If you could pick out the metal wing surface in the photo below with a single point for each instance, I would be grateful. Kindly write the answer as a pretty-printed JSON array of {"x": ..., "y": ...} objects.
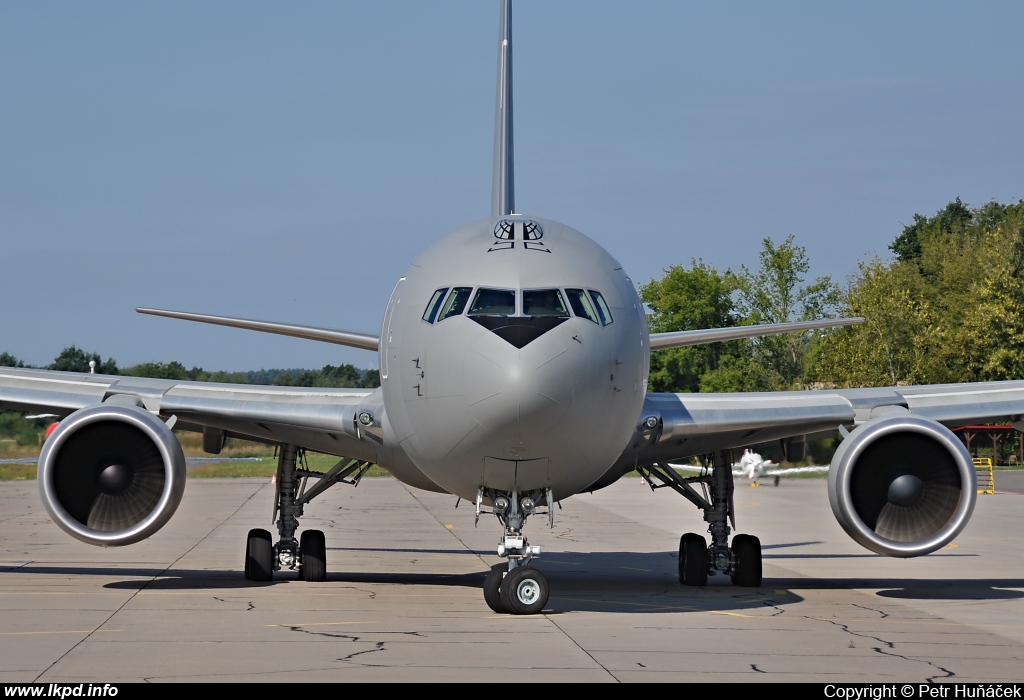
[
  {"x": 318, "y": 419},
  {"x": 693, "y": 424}
]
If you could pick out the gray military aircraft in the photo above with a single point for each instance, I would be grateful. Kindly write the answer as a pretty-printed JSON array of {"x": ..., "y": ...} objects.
[{"x": 514, "y": 359}]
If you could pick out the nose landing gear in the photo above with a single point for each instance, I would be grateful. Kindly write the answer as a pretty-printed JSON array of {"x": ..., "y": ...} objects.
[{"x": 515, "y": 587}]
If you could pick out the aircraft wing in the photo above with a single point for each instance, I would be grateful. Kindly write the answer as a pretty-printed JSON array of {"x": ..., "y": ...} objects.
[
  {"x": 319, "y": 419},
  {"x": 694, "y": 424},
  {"x": 683, "y": 339}
]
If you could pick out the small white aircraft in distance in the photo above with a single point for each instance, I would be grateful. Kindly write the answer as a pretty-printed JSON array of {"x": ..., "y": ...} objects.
[
  {"x": 753, "y": 466},
  {"x": 514, "y": 358}
]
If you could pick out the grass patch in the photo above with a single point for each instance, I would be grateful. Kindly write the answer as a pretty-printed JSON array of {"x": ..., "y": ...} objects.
[
  {"x": 225, "y": 470},
  {"x": 10, "y": 449},
  {"x": 267, "y": 467},
  {"x": 192, "y": 445},
  {"x": 17, "y": 472}
]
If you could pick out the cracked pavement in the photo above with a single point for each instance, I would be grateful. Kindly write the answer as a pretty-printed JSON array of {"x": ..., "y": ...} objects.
[{"x": 403, "y": 599}]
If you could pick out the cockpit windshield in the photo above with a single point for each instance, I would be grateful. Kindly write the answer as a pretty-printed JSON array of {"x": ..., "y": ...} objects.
[
  {"x": 544, "y": 302},
  {"x": 433, "y": 304},
  {"x": 602, "y": 307},
  {"x": 581, "y": 305},
  {"x": 493, "y": 302},
  {"x": 456, "y": 302},
  {"x": 550, "y": 303}
]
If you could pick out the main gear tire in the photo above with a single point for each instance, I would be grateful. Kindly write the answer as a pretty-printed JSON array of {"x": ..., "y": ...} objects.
[
  {"x": 313, "y": 553},
  {"x": 746, "y": 550},
  {"x": 693, "y": 560},
  {"x": 259, "y": 556}
]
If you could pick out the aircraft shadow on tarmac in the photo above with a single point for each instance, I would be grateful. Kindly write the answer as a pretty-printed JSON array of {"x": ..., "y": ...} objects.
[
  {"x": 609, "y": 582},
  {"x": 914, "y": 589}
]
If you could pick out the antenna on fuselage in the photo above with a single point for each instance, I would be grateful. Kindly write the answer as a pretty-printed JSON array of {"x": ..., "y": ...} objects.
[{"x": 503, "y": 200}]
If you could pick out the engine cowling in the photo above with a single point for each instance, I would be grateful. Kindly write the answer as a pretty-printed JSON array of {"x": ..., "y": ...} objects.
[
  {"x": 902, "y": 485},
  {"x": 111, "y": 474}
]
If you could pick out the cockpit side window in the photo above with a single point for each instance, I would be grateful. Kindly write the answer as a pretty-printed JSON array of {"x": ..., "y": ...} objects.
[
  {"x": 493, "y": 302},
  {"x": 602, "y": 308},
  {"x": 456, "y": 302},
  {"x": 581, "y": 305},
  {"x": 434, "y": 305},
  {"x": 544, "y": 302}
]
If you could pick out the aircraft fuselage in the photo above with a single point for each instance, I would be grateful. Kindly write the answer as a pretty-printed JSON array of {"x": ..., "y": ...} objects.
[{"x": 514, "y": 356}]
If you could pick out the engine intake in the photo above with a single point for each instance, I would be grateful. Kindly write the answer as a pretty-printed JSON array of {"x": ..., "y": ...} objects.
[
  {"x": 111, "y": 474},
  {"x": 902, "y": 485}
]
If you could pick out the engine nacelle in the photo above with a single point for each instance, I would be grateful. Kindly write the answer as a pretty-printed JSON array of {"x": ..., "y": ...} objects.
[
  {"x": 902, "y": 485},
  {"x": 111, "y": 474}
]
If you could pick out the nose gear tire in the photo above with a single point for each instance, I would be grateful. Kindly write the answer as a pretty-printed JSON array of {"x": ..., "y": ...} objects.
[
  {"x": 524, "y": 591},
  {"x": 492, "y": 589}
]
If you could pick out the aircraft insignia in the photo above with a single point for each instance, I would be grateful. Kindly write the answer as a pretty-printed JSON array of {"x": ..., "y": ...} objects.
[{"x": 508, "y": 231}]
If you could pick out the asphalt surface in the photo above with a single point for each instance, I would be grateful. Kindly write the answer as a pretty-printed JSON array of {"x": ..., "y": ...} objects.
[
  {"x": 1009, "y": 481},
  {"x": 403, "y": 598}
]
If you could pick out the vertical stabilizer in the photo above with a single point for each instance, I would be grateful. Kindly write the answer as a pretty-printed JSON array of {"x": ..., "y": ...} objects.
[{"x": 503, "y": 187}]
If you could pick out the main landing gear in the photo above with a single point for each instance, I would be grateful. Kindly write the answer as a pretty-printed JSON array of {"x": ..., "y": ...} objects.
[
  {"x": 741, "y": 561},
  {"x": 515, "y": 587},
  {"x": 308, "y": 555}
]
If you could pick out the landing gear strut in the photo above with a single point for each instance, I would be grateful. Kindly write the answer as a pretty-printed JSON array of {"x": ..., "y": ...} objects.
[
  {"x": 515, "y": 587},
  {"x": 742, "y": 561},
  {"x": 307, "y": 555}
]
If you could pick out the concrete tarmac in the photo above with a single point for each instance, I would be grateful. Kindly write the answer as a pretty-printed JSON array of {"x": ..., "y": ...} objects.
[{"x": 403, "y": 598}]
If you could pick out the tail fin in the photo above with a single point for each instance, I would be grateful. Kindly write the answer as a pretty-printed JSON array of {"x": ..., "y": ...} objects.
[{"x": 503, "y": 187}]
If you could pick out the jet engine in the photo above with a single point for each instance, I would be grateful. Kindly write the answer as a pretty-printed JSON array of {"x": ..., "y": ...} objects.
[
  {"x": 111, "y": 474},
  {"x": 902, "y": 485}
]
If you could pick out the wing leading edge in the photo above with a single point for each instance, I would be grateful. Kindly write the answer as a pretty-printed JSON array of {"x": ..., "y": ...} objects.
[
  {"x": 314, "y": 418},
  {"x": 682, "y": 339},
  {"x": 694, "y": 424},
  {"x": 352, "y": 339}
]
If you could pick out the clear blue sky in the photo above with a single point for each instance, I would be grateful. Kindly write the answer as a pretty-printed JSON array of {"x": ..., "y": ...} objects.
[{"x": 287, "y": 161}]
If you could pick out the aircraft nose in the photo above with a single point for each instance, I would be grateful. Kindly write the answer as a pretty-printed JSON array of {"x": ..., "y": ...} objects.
[{"x": 518, "y": 392}]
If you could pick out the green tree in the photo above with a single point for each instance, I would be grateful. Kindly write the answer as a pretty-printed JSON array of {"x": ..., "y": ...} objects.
[
  {"x": 9, "y": 360},
  {"x": 342, "y": 376},
  {"x": 74, "y": 359},
  {"x": 776, "y": 293},
  {"x": 949, "y": 308},
  {"x": 24, "y": 431},
  {"x": 702, "y": 297},
  {"x": 222, "y": 377},
  {"x": 952, "y": 220},
  {"x": 983, "y": 298},
  {"x": 371, "y": 379},
  {"x": 888, "y": 348},
  {"x": 158, "y": 370},
  {"x": 742, "y": 371},
  {"x": 691, "y": 298}
]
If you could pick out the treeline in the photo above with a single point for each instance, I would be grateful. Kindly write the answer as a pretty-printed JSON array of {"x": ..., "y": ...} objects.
[
  {"x": 947, "y": 307},
  {"x": 74, "y": 359}
]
